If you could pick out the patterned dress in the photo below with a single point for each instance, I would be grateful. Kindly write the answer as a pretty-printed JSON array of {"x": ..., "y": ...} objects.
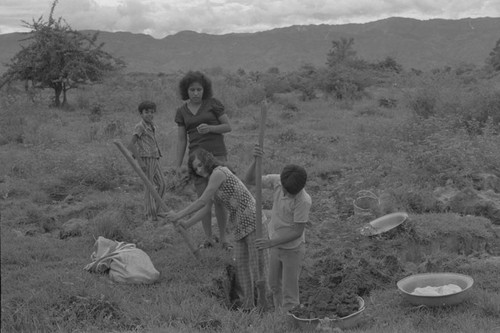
[{"x": 240, "y": 204}]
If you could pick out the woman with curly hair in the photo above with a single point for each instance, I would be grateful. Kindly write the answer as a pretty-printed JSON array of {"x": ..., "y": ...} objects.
[{"x": 202, "y": 123}]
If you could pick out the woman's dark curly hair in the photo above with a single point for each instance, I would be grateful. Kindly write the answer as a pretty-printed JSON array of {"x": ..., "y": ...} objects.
[
  {"x": 206, "y": 158},
  {"x": 192, "y": 77}
]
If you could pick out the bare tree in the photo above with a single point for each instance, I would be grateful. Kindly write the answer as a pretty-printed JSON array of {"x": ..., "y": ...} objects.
[{"x": 60, "y": 58}]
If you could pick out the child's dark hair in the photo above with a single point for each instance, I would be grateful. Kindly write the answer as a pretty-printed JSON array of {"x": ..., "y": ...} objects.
[
  {"x": 293, "y": 178},
  {"x": 190, "y": 78},
  {"x": 206, "y": 158},
  {"x": 146, "y": 105}
]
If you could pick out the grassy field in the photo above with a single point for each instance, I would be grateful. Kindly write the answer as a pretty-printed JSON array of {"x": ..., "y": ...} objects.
[{"x": 56, "y": 165}]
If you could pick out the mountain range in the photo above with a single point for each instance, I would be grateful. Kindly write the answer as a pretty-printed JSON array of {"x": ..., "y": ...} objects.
[{"x": 418, "y": 44}]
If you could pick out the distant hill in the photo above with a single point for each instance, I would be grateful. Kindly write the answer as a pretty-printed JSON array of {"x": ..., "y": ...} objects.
[{"x": 413, "y": 43}]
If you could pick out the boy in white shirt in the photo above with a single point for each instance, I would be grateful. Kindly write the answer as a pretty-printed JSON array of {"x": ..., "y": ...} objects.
[{"x": 286, "y": 243}]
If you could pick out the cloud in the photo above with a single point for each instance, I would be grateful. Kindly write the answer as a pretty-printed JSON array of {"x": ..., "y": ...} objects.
[{"x": 160, "y": 18}]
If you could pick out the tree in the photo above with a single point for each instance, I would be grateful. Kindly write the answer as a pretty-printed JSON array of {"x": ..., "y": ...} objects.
[
  {"x": 60, "y": 58},
  {"x": 494, "y": 58},
  {"x": 305, "y": 81},
  {"x": 341, "y": 51}
]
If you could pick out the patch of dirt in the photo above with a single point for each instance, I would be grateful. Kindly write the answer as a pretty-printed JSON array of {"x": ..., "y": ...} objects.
[
  {"x": 224, "y": 288},
  {"x": 323, "y": 302}
]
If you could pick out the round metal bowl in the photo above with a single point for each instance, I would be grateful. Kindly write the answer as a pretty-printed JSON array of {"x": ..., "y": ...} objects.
[
  {"x": 407, "y": 285},
  {"x": 383, "y": 224},
  {"x": 349, "y": 321}
]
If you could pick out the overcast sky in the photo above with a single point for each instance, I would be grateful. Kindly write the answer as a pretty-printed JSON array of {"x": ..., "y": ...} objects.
[{"x": 160, "y": 18}]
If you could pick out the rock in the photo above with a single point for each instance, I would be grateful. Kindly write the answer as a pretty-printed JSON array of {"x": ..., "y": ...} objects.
[{"x": 73, "y": 228}]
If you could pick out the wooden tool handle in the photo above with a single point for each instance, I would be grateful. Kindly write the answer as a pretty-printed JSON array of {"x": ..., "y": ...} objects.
[
  {"x": 261, "y": 284},
  {"x": 258, "y": 171},
  {"x": 159, "y": 200}
]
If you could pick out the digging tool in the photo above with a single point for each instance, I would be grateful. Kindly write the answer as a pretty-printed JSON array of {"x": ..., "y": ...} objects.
[
  {"x": 261, "y": 283},
  {"x": 185, "y": 235}
]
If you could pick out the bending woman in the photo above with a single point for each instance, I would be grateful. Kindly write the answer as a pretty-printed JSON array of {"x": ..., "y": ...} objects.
[{"x": 224, "y": 187}]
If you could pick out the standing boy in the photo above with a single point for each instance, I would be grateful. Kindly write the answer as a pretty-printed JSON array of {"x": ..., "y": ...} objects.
[
  {"x": 145, "y": 150},
  {"x": 290, "y": 213}
]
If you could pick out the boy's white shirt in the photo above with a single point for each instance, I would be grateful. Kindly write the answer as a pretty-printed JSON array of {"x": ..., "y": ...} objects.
[{"x": 286, "y": 211}]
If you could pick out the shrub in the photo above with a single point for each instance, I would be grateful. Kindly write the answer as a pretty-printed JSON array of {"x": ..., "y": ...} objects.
[
  {"x": 252, "y": 94},
  {"x": 423, "y": 102},
  {"x": 344, "y": 82},
  {"x": 481, "y": 108},
  {"x": 437, "y": 151}
]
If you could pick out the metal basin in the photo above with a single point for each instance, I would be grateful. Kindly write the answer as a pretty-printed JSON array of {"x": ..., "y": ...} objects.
[
  {"x": 407, "y": 286},
  {"x": 349, "y": 321},
  {"x": 384, "y": 223}
]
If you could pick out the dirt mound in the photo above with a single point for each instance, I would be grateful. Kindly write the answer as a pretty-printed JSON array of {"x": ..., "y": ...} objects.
[
  {"x": 325, "y": 302},
  {"x": 348, "y": 270},
  {"x": 330, "y": 286}
]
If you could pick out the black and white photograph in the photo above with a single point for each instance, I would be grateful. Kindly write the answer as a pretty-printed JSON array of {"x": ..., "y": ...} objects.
[{"x": 257, "y": 166}]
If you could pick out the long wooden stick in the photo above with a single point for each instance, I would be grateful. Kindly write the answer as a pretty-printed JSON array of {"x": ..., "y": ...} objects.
[
  {"x": 261, "y": 284},
  {"x": 185, "y": 235}
]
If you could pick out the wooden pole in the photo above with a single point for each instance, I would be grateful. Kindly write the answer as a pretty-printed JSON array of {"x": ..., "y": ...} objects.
[
  {"x": 185, "y": 235},
  {"x": 261, "y": 283}
]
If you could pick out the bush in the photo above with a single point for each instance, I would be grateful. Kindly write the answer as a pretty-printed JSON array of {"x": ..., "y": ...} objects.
[
  {"x": 437, "y": 151},
  {"x": 481, "y": 108},
  {"x": 423, "y": 102},
  {"x": 252, "y": 94},
  {"x": 344, "y": 82}
]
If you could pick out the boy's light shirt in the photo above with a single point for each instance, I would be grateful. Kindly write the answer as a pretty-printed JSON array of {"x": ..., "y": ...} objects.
[{"x": 286, "y": 211}]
